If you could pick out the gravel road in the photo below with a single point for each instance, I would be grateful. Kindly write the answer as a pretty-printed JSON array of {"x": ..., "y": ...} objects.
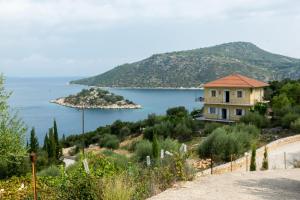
[{"x": 272, "y": 185}]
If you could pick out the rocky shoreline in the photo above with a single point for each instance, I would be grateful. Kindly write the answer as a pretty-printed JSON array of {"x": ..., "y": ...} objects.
[{"x": 61, "y": 101}]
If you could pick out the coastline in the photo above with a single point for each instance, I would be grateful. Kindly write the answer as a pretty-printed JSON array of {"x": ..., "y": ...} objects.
[
  {"x": 60, "y": 101},
  {"x": 141, "y": 88}
]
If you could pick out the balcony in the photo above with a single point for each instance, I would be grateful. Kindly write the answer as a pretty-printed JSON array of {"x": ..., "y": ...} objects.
[{"x": 199, "y": 99}]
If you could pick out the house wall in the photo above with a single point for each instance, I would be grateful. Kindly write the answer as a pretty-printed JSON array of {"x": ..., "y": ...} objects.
[
  {"x": 230, "y": 108},
  {"x": 256, "y": 95},
  {"x": 248, "y": 96}
]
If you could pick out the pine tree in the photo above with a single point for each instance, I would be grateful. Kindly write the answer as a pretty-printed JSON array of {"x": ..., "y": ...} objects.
[
  {"x": 34, "y": 144},
  {"x": 155, "y": 147},
  {"x": 253, "y": 160},
  {"x": 265, "y": 164}
]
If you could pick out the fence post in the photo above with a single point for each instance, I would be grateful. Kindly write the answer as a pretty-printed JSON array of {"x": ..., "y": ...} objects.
[
  {"x": 33, "y": 160},
  {"x": 246, "y": 155},
  {"x": 211, "y": 164},
  {"x": 284, "y": 156}
]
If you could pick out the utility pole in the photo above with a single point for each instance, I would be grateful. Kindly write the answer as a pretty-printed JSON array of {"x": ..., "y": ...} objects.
[
  {"x": 82, "y": 126},
  {"x": 33, "y": 160}
]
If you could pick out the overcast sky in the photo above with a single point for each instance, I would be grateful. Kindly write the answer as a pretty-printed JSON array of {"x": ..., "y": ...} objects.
[{"x": 88, "y": 37}]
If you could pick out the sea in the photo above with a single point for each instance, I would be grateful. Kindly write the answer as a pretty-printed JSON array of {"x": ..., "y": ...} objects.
[{"x": 31, "y": 100}]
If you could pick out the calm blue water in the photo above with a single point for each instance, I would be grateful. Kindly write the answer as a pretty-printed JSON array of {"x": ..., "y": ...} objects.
[{"x": 31, "y": 98}]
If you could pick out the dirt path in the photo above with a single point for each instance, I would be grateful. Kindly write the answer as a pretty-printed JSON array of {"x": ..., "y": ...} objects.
[{"x": 273, "y": 185}]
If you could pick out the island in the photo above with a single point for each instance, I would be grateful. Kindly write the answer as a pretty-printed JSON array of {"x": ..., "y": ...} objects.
[{"x": 94, "y": 98}]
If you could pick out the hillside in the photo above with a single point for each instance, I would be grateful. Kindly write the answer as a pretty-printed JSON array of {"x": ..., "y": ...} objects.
[{"x": 193, "y": 67}]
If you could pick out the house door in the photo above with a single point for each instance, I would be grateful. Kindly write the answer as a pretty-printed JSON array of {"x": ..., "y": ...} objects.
[
  {"x": 227, "y": 96},
  {"x": 224, "y": 113}
]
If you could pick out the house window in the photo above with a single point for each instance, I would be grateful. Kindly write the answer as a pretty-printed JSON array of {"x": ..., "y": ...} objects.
[
  {"x": 239, "y": 94},
  {"x": 239, "y": 112},
  {"x": 213, "y": 93},
  {"x": 212, "y": 110}
]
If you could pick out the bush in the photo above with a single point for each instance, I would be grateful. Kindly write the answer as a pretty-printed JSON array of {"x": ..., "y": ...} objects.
[
  {"x": 253, "y": 160},
  {"x": 50, "y": 171},
  {"x": 109, "y": 141},
  {"x": 256, "y": 119},
  {"x": 179, "y": 112},
  {"x": 210, "y": 127},
  {"x": 296, "y": 125},
  {"x": 119, "y": 187},
  {"x": 169, "y": 145},
  {"x": 265, "y": 163},
  {"x": 287, "y": 119},
  {"x": 261, "y": 108},
  {"x": 225, "y": 141},
  {"x": 143, "y": 149},
  {"x": 182, "y": 132}
]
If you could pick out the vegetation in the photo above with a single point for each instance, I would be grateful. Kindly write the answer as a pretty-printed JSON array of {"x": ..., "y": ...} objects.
[
  {"x": 253, "y": 159},
  {"x": 12, "y": 139},
  {"x": 34, "y": 143},
  {"x": 265, "y": 163},
  {"x": 228, "y": 140},
  {"x": 187, "y": 68},
  {"x": 256, "y": 119}
]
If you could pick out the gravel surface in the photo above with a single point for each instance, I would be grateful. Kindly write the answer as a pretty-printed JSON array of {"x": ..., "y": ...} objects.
[{"x": 272, "y": 184}]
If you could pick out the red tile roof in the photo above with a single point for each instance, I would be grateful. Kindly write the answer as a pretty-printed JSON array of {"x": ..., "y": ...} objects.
[{"x": 236, "y": 80}]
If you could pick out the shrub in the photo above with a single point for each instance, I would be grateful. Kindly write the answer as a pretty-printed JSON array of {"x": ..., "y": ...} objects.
[
  {"x": 228, "y": 140},
  {"x": 265, "y": 164},
  {"x": 179, "y": 111},
  {"x": 169, "y": 145},
  {"x": 109, "y": 141},
  {"x": 287, "y": 119},
  {"x": 261, "y": 108},
  {"x": 296, "y": 125},
  {"x": 210, "y": 127},
  {"x": 148, "y": 133},
  {"x": 119, "y": 187},
  {"x": 182, "y": 132},
  {"x": 256, "y": 119},
  {"x": 50, "y": 171},
  {"x": 253, "y": 160},
  {"x": 143, "y": 149},
  {"x": 124, "y": 132}
]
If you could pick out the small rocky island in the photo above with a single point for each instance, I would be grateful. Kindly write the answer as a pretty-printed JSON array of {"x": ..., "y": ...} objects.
[{"x": 93, "y": 98}]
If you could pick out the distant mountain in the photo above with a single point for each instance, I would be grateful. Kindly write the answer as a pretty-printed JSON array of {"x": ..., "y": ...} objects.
[{"x": 193, "y": 67}]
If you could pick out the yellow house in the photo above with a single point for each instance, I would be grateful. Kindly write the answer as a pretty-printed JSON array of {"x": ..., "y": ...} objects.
[{"x": 228, "y": 98}]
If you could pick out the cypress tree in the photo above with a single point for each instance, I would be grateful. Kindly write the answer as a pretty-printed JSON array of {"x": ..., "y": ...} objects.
[
  {"x": 34, "y": 144},
  {"x": 253, "y": 160},
  {"x": 56, "y": 140},
  {"x": 265, "y": 164},
  {"x": 51, "y": 145},
  {"x": 155, "y": 147},
  {"x": 46, "y": 141}
]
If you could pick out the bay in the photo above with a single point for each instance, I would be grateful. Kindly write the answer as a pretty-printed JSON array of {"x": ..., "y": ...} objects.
[{"x": 31, "y": 96}]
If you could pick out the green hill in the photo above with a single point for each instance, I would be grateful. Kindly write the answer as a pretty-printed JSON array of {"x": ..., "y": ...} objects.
[{"x": 193, "y": 67}]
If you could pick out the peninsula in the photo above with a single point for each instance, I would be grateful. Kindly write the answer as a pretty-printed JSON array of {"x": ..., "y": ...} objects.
[{"x": 96, "y": 98}]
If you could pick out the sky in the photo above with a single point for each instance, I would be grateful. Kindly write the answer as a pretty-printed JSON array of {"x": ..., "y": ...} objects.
[{"x": 43, "y": 38}]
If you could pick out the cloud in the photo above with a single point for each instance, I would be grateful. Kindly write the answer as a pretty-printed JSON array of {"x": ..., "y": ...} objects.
[
  {"x": 91, "y": 36},
  {"x": 106, "y": 12}
]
